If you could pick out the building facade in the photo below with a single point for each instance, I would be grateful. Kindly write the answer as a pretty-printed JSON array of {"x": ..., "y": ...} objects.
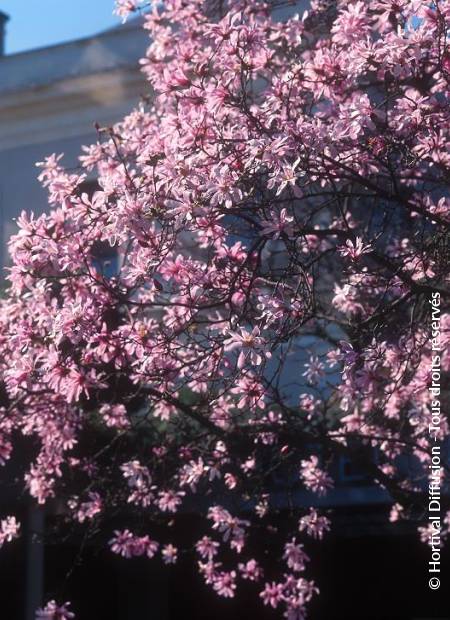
[{"x": 50, "y": 100}]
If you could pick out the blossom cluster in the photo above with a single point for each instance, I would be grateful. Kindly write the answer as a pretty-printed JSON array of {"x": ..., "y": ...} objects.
[{"x": 278, "y": 208}]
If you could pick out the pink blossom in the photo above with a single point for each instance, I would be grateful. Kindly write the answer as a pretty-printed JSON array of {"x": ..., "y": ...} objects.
[
  {"x": 351, "y": 24},
  {"x": 169, "y": 554},
  {"x": 169, "y": 501},
  {"x": 207, "y": 548},
  {"x": 115, "y": 416},
  {"x": 278, "y": 225},
  {"x": 250, "y": 344},
  {"x": 272, "y": 594},
  {"x": 250, "y": 570},
  {"x": 395, "y": 513},
  {"x": 250, "y": 393},
  {"x": 314, "y": 369},
  {"x": 128, "y": 545},
  {"x": 354, "y": 250},
  {"x": 123, "y": 8},
  {"x": 222, "y": 189},
  {"x": 295, "y": 556},
  {"x": 88, "y": 509},
  {"x": 52, "y": 611},
  {"x": 315, "y": 478},
  {"x": 231, "y": 528},
  {"x": 314, "y": 524},
  {"x": 224, "y": 584},
  {"x": 9, "y": 529}
]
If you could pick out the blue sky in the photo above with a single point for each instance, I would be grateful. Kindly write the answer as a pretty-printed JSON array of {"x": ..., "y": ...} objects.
[{"x": 37, "y": 23}]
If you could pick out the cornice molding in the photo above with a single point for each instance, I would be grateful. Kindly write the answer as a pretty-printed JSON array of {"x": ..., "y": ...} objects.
[{"x": 69, "y": 107}]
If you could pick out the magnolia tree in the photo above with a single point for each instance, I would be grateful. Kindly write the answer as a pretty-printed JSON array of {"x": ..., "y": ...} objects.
[{"x": 278, "y": 208}]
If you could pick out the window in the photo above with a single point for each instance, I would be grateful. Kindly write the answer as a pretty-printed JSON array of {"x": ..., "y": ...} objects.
[{"x": 105, "y": 259}]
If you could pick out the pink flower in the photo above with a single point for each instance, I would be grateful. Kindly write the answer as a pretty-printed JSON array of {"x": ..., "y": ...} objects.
[
  {"x": 314, "y": 369},
  {"x": 295, "y": 556},
  {"x": 395, "y": 513},
  {"x": 250, "y": 392},
  {"x": 354, "y": 250},
  {"x": 123, "y": 8},
  {"x": 224, "y": 584},
  {"x": 88, "y": 509},
  {"x": 351, "y": 25},
  {"x": 123, "y": 544},
  {"x": 346, "y": 299},
  {"x": 286, "y": 177},
  {"x": 9, "y": 530},
  {"x": 314, "y": 524},
  {"x": 115, "y": 416},
  {"x": 278, "y": 225},
  {"x": 128, "y": 545},
  {"x": 140, "y": 482},
  {"x": 315, "y": 478},
  {"x": 192, "y": 473},
  {"x": 207, "y": 548},
  {"x": 232, "y": 528},
  {"x": 169, "y": 554},
  {"x": 169, "y": 501},
  {"x": 250, "y": 570},
  {"x": 272, "y": 594},
  {"x": 136, "y": 474},
  {"x": 222, "y": 188},
  {"x": 309, "y": 404},
  {"x": 250, "y": 344},
  {"x": 52, "y": 611},
  {"x": 78, "y": 382}
]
